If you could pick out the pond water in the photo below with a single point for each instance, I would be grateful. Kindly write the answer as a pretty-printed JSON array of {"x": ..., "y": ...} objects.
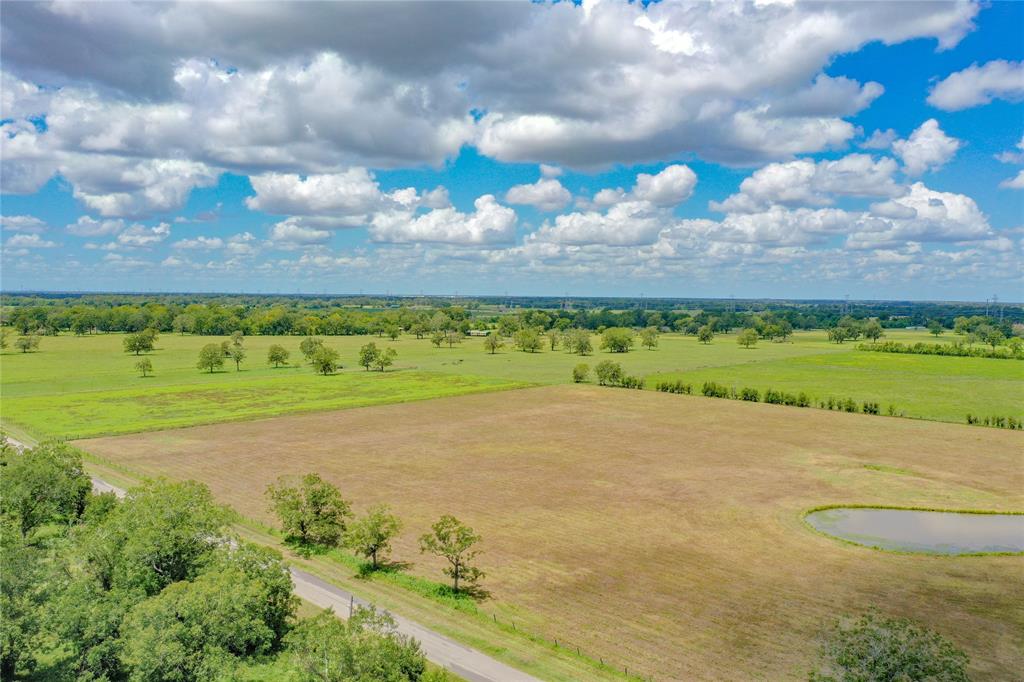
[{"x": 923, "y": 531}]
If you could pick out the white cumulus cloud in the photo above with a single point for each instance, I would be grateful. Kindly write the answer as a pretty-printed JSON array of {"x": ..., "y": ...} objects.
[
  {"x": 976, "y": 85},
  {"x": 927, "y": 148}
]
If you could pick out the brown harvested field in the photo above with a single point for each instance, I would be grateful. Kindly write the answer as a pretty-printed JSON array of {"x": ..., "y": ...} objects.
[{"x": 663, "y": 532}]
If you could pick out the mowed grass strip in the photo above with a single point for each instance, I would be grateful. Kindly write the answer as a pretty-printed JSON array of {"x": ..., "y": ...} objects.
[
  {"x": 924, "y": 386},
  {"x": 658, "y": 531},
  {"x": 92, "y": 413}
]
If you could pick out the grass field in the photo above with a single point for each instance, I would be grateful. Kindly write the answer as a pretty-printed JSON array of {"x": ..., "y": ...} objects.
[
  {"x": 662, "y": 532},
  {"x": 87, "y": 386},
  {"x": 929, "y": 386}
]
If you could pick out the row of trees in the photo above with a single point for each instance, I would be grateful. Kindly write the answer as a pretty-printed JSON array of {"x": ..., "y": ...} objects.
[
  {"x": 313, "y": 513},
  {"x": 274, "y": 315},
  {"x": 151, "y": 588}
]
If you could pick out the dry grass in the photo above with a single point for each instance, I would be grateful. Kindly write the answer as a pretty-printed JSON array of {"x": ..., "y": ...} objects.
[{"x": 659, "y": 531}]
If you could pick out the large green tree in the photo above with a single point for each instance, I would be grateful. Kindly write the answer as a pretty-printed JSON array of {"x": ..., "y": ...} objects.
[
  {"x": 211, "y": 357},
  {"x": 312, "y": 511},
  {"x": 365, "y": 648},
  {"x": 617, "y": 339},
  {"x": 46, "y": 484},
  {"x": 161, "y": 533},
  {"x": 194, "y": 630}
]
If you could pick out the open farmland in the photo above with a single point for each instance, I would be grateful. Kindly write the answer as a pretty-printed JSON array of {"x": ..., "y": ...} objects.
[
  {"x": 660, "y": 531},
  {"x": 81, "y": 386}
]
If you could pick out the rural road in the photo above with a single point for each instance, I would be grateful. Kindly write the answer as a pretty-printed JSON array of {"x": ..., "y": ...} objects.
[{"x": 462, "y": 660}]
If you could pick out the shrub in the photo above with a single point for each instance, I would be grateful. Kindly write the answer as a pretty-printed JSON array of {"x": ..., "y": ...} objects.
[
  {"x": 869, "y": 407},
  {"x": 849, "y": 405},
  {"x": 772, "y": 396},
  {"x": 713, "y": 390},
  {"x": 674, "y": 387},
  {"x": 580, "y": 373},
  {"x": 631, "y": 382},
  {"x": 608, "y": 373},
  {"x": 750, "y": 394}
]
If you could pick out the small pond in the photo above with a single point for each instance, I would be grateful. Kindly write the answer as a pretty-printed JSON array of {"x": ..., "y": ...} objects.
[{"x": 923, "y": 531}]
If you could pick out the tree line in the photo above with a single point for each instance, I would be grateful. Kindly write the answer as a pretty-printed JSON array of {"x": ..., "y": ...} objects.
[{"x": 305, "y": 316}]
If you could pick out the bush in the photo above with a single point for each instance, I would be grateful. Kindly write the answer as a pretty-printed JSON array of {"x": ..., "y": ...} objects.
[
  {"x": 608, "y": 373},
  {"x": 713, "y": 390},
  {"x": 580, "y": 373},
  {"x": 674, "y": 387},
  {"x": 1008, "y": 352},
  {"x": 996, "y": 422},
  {"x": 869, "y": 408},
  {"x": 750, "y": 394},
  {"x": 631, "y": 382}
]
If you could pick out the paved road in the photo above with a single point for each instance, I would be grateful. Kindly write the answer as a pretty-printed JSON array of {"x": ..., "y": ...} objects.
[{"x": 462, "y": 660}]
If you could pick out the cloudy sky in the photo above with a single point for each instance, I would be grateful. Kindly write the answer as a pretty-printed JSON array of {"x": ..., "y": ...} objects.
[{"x": 703, "y": 149}]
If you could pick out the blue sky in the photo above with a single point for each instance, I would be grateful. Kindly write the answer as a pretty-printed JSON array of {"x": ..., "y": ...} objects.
[{"x": 756, "y": 149}]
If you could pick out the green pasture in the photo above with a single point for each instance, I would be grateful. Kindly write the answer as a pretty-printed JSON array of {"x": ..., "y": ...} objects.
[
  {"x": 87, "y": 386},
  {"x": 925, "y": 386}
]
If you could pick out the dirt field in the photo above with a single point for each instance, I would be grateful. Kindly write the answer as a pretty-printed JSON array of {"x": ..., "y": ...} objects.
[{"x": 657, "y": 530}]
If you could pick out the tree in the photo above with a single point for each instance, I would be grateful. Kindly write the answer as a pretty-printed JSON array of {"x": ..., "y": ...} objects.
[
  {"x": 138, "y": 343},
  {"x": 440, "y": 322},
  {"x": 385, "y": 358},
  {"x": 437, "y": 338},
  {"x": 46, "y": 484},
  {"x": 193, "y": 629},
  {"x": 492, "y": 342},
  {"x": 3, "y": 339},
  {"x": 873, "y": 330},
  {"x": 393, "y": 331},
  {"x": 580, "y": 373},
  {"x": 877, "y": 648},
  {"x": 371, "y": 535},
  {"x": 211, "y": 357},
  {"x": 183, "y": 323},
  {"x": 747, "y": 338},
  {"x": 452, "y": 337},
  {"x": 27, "y": 343},
  {"x": 309, "y": 346},
  {"x": 365, "y": 647},
  {"x": 617, "y": 339},
  {"x": 277, "y": 355},
  {"x": 325, "y": 361},
  {"x": 453, "y": 541},
  {"x": 837, "y": 334},
  {"x": 161, "y": 533},
  {"x": 554, "y": 337},
  {"x": 994, "y": 337},
  {"x": 312, "y": 512},
  {"x": 527, "y": 340},
  {"x": 578, "y": 341},
  {"x": 935, "y": 328},
  {"x": 24, "y": 589},
  {"x": 368, "y": 355},
  {"x": 418, "y": 329},
  {"x": 144, "y": 367},
  {"x": 705, "y": 334},
  {"x": 608, "y": 373},
  {"x": 649, "y": 338},
  {"x": 237, "y": 338},
  {"x": 961, "y": 325},
  {"x": 237, "y": 354}
]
